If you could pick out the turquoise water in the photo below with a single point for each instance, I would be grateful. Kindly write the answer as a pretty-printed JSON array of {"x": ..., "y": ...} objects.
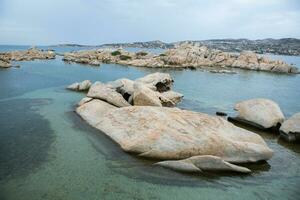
[{"x": 48, "y": 152}]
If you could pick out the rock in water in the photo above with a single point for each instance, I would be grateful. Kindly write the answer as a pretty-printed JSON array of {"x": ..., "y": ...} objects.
[
  {"x": 160, "y": 82},
  {"x": 144, "y": 96},
  {"x": 5, "y": 64},
  {"x": 199, "y": 163},
  {"x": 104, "y": 92},
  {"x": 175, "y": 97},
  {"x": 290, "y": 129},
  {"x": 172, "y": 133},
  {"x": 73, "y": 86},
  {"x": 82, "y": 86},
  {"x": 262, "y": 113},
  {"x": 84, "y": 100}
]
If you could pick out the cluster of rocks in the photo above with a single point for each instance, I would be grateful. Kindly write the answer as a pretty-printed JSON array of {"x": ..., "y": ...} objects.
[
  {"x": 266, "y": 114},
  {"x": 27, "y": 55},
  {"x": 140, "y": 116},
  {"x": 183, "y": 56},
  {"x": 151, "y": 90}
]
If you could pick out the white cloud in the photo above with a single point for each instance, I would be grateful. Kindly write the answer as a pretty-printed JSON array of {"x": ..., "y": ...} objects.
[{"x": 94, "y": 22}]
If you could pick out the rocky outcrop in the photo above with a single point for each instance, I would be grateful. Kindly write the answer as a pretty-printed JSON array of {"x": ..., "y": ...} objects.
[
  {"x": 84, "y": 100},
  {"x": 184, "y": 55},
  {"x": 5, "y": 64},
  {"x": 290, "y": 129},
  {"x": 27, "y": 55},
  {"x": 151, "y": 90},
  {"x": 202, "y": 163},
  {"x": 262, "y": 113},
  {"x": 82, "y": 86},
  {"x": 151, "y": 130},
  {"x": 104, "y": 92},
  {"x": 172, "y": 133}
]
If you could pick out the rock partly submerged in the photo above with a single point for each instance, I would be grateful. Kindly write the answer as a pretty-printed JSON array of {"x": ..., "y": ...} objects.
[
  {"x": 149, "y": 129},
  {"x": 202, "y": 163},
  {"x": 261, "y": 113},
  {"x": 26, "y": 55},
  {"x": 81, "y": 86},
  {"x": 172, "y": 133},
  {"x": 152, "y": 90},
  {"x": 290, "y": 129},
  {"x": 184, "y": 56}
]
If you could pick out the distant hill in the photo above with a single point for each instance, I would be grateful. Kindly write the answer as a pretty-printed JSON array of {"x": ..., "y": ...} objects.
[
  {"x": 284, "y": 46},
  {"x": 149, "y": 44}
]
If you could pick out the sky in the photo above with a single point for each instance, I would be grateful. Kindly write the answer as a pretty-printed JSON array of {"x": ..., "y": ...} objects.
[{"x": 44, "y": 22}]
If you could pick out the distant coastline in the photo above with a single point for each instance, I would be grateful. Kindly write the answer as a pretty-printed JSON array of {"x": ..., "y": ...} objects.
[{"x": 283, "y": 46}]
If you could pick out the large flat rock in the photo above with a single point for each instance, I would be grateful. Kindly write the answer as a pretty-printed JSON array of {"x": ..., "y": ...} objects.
[{"x": 172, "y": 133}]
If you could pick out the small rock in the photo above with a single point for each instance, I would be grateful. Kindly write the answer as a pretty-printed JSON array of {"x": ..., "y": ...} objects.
[
  {"x": 262, "y": 113},
  {"x": 290, "y": 129},
  {"x": 205, "y": 163}
]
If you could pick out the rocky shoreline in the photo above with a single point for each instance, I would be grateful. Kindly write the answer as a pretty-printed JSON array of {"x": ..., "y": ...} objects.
[
  {"x": 26, "y": 55},
  {"x": 183, "y": 56}
]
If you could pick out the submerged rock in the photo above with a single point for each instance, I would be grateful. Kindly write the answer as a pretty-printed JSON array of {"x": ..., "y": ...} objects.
[
  {"x": 82, "y": 86},
  {"x": 199, "y": 163},
  {"x": 262, "y": 113},
  {"x": 153, "y": 131},
  {"x": 5, "y": 64},
  {"x": 290, "y": 129},
  {"x": 171, "y": 133}
]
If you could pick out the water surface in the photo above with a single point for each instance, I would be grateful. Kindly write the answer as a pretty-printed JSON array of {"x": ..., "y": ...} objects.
[{"x": 48, "y": 152}]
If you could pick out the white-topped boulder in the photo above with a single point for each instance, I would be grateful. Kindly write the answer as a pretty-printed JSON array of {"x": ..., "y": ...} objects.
[
  {"x": 263, "y": 113},
  {"x": 290, "y": 129}
]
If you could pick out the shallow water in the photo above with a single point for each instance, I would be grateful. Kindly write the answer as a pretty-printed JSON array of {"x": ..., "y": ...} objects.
[{"x": 48, "y": 152}]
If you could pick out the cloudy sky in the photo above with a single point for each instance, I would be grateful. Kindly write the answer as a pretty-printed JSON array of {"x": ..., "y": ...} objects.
[{"x": 107, "y": 21}]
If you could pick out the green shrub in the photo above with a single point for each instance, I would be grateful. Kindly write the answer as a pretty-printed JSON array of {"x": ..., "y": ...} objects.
[
  {"x": 124, "y": 57},
  {"x": 141, "y": 53},
  {"x": 162, "y": 54},
  {"x": 115, "y": 53}
]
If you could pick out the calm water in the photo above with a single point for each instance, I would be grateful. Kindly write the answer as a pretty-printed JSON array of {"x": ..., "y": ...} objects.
[{"x": 48, "y": 152}]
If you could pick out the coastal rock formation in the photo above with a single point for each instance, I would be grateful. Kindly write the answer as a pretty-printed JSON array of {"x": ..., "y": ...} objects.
[
  {"x": 172, "y": 133},
  {"x": 144, "y": 96},
  {"x": 151, "y": 90},
  {"x": 82, "y": 86},
  {"x": 27, "y": 55},
  {"x": 84, "y": 100},
  {"x": 199, "y": 163},
  {"x": 184, "y": 55},
  {"x": 104, "y": 92},
  {"x": 160, "y": 82},
  {"x": 5, "y": 64},
  {"x": 154, "y": 131},
  {"x": 290, "y": 129},
  {"x": 262, "y": 113}
]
